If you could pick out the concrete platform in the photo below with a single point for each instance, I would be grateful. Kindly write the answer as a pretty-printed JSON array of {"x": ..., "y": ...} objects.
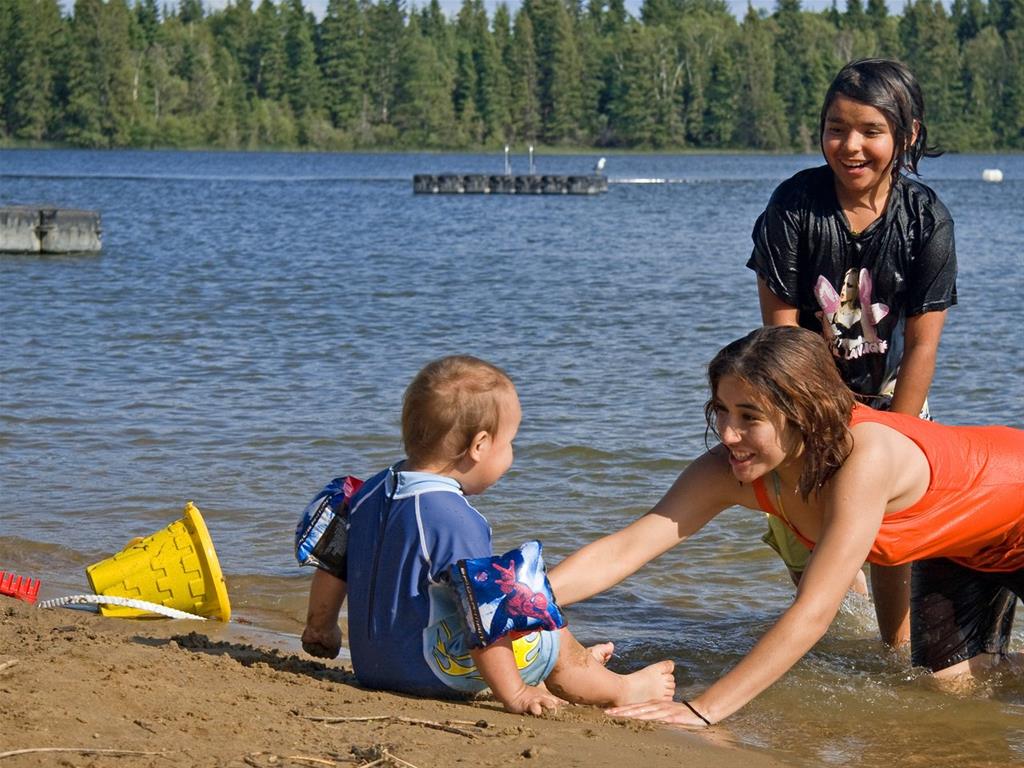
[
  {"x": 45, "y": 229},
  {"x": 508, "y": 184}
]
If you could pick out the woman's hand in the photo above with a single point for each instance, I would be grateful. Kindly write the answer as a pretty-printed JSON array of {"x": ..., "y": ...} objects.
[{"x": 662, "y": 711}]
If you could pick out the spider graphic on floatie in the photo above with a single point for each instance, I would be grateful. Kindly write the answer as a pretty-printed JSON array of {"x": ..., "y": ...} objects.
[{"x": 519, "y": 600}]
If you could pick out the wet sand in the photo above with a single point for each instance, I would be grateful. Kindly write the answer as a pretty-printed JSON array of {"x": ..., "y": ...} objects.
[{"x": 176, "y": 693}]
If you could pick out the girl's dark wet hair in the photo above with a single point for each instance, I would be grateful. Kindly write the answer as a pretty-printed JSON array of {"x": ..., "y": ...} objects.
[
  {"x": 792, "y": 373},
  {"x": 892, "y": 89}
]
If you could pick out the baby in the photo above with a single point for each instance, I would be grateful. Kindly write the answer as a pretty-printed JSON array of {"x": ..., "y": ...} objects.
[{"x": 409, "y": 524}]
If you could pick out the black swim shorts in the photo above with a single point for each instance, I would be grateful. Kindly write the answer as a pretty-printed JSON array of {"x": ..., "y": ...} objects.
[{"x": 957, "y": 613}]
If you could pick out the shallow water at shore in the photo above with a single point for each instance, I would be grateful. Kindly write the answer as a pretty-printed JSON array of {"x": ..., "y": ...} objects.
[{"x": 248, "y": 330}]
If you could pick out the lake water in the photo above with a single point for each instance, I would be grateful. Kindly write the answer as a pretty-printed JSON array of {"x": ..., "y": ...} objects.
[{"x": 248, "y": 330}]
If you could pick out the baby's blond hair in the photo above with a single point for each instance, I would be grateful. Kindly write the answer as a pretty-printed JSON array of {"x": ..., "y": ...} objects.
[{"x": 448, "y": 402}]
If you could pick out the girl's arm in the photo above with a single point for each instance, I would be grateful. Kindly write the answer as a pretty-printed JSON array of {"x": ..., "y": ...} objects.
[
  {"x": 930, "y": 290},
  {"x": 775, "y": 311},
  {"x": 920, "y": 348},
  {"x": 854, "y": 503},
  {"x": 890, "y": 585},
  {"x": 704, "y": 489}
]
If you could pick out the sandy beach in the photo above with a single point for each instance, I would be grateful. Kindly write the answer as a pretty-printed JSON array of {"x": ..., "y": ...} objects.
[{"x": 79, "y": 689}]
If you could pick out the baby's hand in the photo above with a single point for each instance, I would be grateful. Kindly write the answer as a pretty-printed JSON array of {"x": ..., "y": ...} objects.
[
  {"x": 322, "y": 642},
  {"x": 532, "y": 701}
]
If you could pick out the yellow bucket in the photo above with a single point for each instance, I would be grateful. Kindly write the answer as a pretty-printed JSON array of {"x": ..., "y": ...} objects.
[{"x": 176, "y": 567}]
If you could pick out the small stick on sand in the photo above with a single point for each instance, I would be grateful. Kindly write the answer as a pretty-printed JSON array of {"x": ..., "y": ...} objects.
[
  {"x": 396, "y": 760},
  {"x": 79, "y": 750},
  {"x": 396, "y": 719},
  {"x": 314, "y": 760},
  {"x": 8, "y": 664}
]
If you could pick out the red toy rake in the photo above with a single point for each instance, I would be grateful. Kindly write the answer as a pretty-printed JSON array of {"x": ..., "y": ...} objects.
[{"x": 19, "y": 587}]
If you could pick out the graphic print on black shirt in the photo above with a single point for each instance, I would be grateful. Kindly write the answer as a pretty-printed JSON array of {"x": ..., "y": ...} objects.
[{"x": 848, "y": 318}]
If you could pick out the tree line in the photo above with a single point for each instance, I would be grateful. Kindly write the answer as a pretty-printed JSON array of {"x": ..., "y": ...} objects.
[{"x": 378, "y": 74}]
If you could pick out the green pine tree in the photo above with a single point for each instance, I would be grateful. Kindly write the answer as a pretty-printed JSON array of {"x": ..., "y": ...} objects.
[
  {"x": 795, "y": 80},
  {"x": 481, "y": 73},
  {"x": 464, "y": 89},
  {"x": 233, "y": 29},
  {"x": 385, "y": 31},
  {"x": 147, "y": 16},
  {"x": 99, "y": 112},
  {"x": 594, "y": 46},
  {"x": 930, "y": 49},
  {"x": 701, "y": 38},
  {"x": 503, "y": 43},
  {"x": 983, "y": 57},
  {"x": 761, "y": 121},
  {"x": 855, "y": 17},
  {"x": 423, "y": 111},
  {"x": 1009, "y": 114},
  {"x": 190, "y": 11},
  {"x": 266, "y": 54},
  {"x": 302, "y": 81},
  {"x": 36, "y": 33},
  {"x": 6, "y": 62},
  {"x": 343, "y": 63},
  {"x": 559, "y": 71},
  {"x": 719, "y": 124},
  {"x": 648, "y": 112},
  {"x": 524, "y": 74}
]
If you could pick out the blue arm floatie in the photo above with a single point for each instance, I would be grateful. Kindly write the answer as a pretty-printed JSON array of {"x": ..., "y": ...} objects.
[
  {"x": 321, "y": 537},
  {"x": 506, "y": 593}
]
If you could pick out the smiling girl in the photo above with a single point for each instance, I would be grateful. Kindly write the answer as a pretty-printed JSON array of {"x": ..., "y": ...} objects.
[
  {"x": 857, "y": 251},
  {"x": 859, "y": 484}
]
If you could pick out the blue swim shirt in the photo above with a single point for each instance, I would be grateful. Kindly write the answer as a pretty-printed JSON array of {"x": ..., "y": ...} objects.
[{"x": 406, "y": 529}]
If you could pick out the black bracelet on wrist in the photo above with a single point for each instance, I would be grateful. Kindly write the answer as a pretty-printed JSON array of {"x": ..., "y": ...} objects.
[{"x": 690, "y": 707}]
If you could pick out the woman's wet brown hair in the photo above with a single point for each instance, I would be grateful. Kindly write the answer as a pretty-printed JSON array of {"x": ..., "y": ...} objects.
[{"x": 792, "y": 373}]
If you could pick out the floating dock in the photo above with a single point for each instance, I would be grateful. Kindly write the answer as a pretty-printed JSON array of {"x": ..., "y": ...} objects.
[
  {"x": 508, "y": 184},
  {"x": 45, "y": 229}
]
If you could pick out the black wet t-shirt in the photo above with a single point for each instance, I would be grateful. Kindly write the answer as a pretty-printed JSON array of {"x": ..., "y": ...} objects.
[{"x": 857, "y": 290}]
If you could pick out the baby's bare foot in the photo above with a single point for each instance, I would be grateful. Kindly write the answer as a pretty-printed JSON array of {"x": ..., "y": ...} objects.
[
  {"x": 653, "y": 682},
  {"x": 602, "y": 652}
]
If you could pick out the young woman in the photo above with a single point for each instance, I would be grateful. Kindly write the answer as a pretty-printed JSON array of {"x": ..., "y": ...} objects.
[
  {"x": 854, "y": 483},
  {"x": 858, "y": 251}
]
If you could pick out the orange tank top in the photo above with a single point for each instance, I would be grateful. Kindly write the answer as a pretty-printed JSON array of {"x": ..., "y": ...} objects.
[{"x": 973, "y": 509}]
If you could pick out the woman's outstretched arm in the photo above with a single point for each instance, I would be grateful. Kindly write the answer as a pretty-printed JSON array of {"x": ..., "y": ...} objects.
[
  {"x": 853, "y": 505},
  {"x": 704, "y": 489}
]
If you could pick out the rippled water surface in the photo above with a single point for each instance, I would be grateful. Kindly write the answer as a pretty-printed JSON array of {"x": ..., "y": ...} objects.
[{"x": 250, "y": 325}]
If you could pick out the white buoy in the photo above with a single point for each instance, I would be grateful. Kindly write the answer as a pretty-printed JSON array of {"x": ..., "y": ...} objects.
[{"x": 992, "y": 174}]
